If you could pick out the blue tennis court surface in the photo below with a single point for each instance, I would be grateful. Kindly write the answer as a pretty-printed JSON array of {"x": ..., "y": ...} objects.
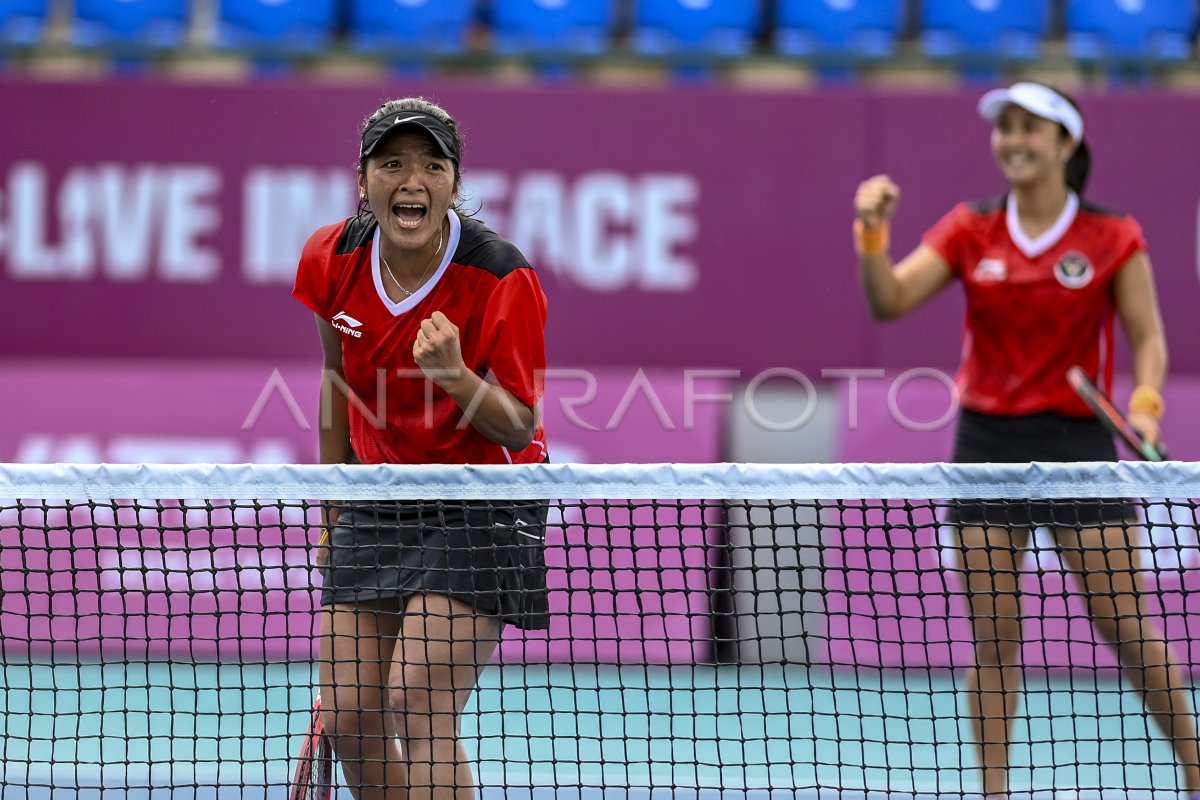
[{"x": 207, "y": 732}]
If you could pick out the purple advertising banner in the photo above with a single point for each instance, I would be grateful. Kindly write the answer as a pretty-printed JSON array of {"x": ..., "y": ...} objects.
[
  {"x": 165, "y": 581},
  {"x": 687, "y": 227}
]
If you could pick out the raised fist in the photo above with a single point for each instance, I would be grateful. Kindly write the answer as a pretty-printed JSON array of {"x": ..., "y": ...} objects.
[{"x": 876, "y": 200}]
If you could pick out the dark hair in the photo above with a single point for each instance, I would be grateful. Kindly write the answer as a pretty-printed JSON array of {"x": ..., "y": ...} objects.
[
  {"x": 425, "y": 107},
  {"x": 1080, "y": 163}
]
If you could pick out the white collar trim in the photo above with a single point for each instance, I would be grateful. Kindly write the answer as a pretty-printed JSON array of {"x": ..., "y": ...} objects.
[
  {"x": 1032, "y": 248},
  {"x": 408, "y": 303}
]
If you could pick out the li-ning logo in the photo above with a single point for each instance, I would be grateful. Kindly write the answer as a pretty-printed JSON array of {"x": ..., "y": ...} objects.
[{"x": 346, "y": 324}]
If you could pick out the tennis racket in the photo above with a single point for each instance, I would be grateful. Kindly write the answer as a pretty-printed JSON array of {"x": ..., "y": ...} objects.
[
  {"x": 1113, "y": 419},
  {"x": 314, "y": 768}
]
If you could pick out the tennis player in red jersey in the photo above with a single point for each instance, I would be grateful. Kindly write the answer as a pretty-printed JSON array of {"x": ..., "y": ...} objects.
[
  {"x": 1043, "y": 271},
  {"x": 432, "y": 331}
]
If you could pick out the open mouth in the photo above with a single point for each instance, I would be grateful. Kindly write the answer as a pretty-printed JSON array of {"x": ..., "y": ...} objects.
[{"x": 409, "y": 215}]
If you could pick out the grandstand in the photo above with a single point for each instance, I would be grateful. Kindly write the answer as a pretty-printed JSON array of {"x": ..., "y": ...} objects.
[{"x": 772, "y": 40}]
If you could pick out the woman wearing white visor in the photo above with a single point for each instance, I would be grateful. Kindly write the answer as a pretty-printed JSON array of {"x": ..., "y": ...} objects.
[{"x": 1045, "y": 273}]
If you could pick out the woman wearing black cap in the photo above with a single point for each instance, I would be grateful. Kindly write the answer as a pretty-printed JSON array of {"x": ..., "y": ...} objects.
[
  {"x": 432, "y": 332},
  {"x": 1044, "y": 273}
]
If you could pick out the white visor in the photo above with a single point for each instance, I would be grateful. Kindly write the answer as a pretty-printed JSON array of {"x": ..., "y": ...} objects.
[{"x": 1036, "y": 99}]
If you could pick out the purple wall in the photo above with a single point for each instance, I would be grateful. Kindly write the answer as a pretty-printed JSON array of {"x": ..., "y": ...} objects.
[
  {"x": 127, "y": 581},
  {"x": 691, "y": 227}
]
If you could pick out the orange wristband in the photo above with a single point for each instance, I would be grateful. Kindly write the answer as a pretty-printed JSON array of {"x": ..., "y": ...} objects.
[
  {"x": 1147, "y": 400},
  {"x": 871, "y": 241}
]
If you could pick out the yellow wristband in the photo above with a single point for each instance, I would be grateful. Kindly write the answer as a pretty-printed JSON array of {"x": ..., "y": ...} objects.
[
  {"x": 871, "y": 241},
  {"x": 1147, "y": 400},
  {"x": 324, "y": 540}
]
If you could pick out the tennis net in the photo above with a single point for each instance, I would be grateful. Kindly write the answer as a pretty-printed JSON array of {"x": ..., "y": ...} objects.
[{"x": 714, "y": 631}]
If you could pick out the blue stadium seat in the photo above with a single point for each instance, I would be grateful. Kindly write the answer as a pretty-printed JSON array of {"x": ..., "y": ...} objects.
[
  {"x": 151, "y": 24},
  {"x": 1130, "y": 30},
  {"x": 704, "y": 27},
  {"x": 553, "y": 26},
  {"x": 430, "y": 26},
  {"x": 22, "y": 22},
  {"x": 856, "y": 28},
  {"x": 303, "y": 26},
  {"x": 988, "y": 30}
]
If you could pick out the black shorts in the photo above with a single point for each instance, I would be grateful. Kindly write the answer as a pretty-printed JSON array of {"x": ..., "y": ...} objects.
[
  {"x": 490, "y": 554},
  {"x": 986, "y": 438}
]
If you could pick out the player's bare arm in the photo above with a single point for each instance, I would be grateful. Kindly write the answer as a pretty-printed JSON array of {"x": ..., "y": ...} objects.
[
  {"x": 1137, "y": 305},
  {"x": 333, "y": 437},
  {"x": 891, "y": 290}
]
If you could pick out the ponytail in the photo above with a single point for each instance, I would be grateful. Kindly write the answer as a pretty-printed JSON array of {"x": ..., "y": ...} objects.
[{"x": 1078, "y": 167}]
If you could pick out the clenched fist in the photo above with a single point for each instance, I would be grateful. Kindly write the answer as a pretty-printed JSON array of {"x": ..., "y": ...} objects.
[
  {"x": 876, "y": 200},
  {"x": 437, "y": 349}
]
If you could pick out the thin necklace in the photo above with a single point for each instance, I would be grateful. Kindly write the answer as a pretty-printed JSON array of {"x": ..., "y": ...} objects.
[{"x": 420, "y": 280}]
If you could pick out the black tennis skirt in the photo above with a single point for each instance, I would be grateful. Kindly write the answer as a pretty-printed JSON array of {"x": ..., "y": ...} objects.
[
  {"x": 987, "y": 438},
  {"x": 490, "y": 554}
]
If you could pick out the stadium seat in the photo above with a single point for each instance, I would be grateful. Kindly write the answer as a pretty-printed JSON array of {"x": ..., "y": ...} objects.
[
  {"x": 427, "y": 26},
  {"x": 697, "y": 27},
  {"x": 149, "y": 24},
  {"x": 859, "y": 29},
  {"x": 984, "y": 30},
  {"x": 302, "y": 26},
  {"x": 1130, "y": 30},
  {"x": 22, "y": 22},
  {"x": 552, "y": 26}
]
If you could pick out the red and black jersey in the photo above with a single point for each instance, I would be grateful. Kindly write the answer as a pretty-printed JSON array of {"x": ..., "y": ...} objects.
[
  {"x": 1034, "y": 307},
  {"x": 483, "y": 285}
]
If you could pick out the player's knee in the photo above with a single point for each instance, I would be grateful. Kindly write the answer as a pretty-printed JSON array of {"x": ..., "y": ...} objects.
[
  {"x": 349, "y": 726},
  {"x": 410, "y": 700}
]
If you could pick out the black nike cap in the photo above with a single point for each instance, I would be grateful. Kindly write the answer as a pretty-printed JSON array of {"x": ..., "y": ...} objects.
[{"x": 379, "y": 130}]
